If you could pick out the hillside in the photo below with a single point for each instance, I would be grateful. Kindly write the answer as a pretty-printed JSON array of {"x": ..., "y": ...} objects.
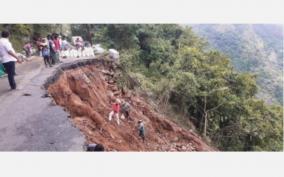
[
  {"x": 85, "y": 92},
  {"x": 199, "y": 87},
  {"x": 180, "y": 81},
  {"x": 252, "y": 48}
]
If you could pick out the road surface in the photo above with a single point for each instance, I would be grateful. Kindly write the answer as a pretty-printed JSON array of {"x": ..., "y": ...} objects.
[{"x": 29, "y": 122}]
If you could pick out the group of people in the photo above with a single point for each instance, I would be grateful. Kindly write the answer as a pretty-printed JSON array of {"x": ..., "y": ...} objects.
[
  {"x": 123, "y": 108},
  {"x": 49, "y": 48},
  {"x": 59, "y": 47}
]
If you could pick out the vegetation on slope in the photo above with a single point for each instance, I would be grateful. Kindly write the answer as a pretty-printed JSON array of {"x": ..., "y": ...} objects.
[
  {"x": 252, "y": 48},
  {"x": 176, "y": 66}
]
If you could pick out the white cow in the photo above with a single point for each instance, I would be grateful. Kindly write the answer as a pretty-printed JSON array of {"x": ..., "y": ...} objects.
[{"x": 114, "y": 54}]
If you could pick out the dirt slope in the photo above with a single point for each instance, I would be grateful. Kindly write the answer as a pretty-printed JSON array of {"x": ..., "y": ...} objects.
[{"x": 86, "y": 92}]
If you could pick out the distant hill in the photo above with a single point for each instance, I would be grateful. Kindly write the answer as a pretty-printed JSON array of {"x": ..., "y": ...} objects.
[{"x": 252, "y": 48}]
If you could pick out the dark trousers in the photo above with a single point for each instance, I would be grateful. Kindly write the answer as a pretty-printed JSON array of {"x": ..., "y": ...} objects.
[
  {"x": 47, "y": 60},
  {"x": 125, "y": 113},
  {"x": 142, "y": 134},
  {"x": 10, "y": 70},
  {"x": 53, "y": 57}
]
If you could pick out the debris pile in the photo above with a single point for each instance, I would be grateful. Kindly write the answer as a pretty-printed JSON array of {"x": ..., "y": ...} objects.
[{"x": 86, "y": 93}]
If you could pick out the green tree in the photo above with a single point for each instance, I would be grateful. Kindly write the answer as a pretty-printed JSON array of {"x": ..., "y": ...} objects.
[{"x": 198, "y": 82}]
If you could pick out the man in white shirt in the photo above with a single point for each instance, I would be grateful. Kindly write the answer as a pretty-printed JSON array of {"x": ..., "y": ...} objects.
[{"x": 8, "y": 58}]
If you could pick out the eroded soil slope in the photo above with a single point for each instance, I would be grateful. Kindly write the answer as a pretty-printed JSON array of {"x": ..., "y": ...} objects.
[{"x": 86, "y": 93}]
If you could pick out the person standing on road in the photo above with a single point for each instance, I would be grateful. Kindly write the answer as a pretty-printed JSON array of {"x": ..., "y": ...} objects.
[
  {"x": 46, "y": 53},
  {"x": 51, "y": 49},
  {"x": 65, "y": 48},
  {"x": 64, "y": 44},
  {"x": 78, "y": 44},
  {"x": 28, "y": 49},
  {"x": 57, "y": 46},
  {"x": 8, "y": 58}
]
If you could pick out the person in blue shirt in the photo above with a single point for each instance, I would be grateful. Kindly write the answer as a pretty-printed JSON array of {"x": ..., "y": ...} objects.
[
  {"x": 45, "y": 51},
  {"x": 141, "y": 130}
]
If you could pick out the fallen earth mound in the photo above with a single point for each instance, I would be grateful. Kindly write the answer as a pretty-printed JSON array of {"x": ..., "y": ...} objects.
[{"x": 86, "y": 89}]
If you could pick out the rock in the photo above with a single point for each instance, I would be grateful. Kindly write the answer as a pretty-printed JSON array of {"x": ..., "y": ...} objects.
[
  {"x": 86, "y": 79},
  {"x": 45, "y": 95},
  {"x": 176, "y": 139}
]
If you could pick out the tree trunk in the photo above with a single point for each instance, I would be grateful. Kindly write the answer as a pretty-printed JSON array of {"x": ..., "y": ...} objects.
[
  {"x": 89, "y": 36},
  {"x": 205, "y": 117},
  {"x": 204, "y": 132}
]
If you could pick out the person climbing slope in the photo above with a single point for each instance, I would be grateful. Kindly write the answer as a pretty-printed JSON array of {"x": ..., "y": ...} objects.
[
  {"x": 141, "y": 130},
  {"x": 115, "y": 111},
  {"x": 125, "y": 110}
]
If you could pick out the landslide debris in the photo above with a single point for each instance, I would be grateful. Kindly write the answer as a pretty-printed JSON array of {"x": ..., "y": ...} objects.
[{"x": 85, "y": 89}]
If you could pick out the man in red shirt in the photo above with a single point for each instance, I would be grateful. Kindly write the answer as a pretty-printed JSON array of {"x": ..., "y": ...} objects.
[
  {"x": 57, "y": 46},
  {"x": 115, "y": 111}
]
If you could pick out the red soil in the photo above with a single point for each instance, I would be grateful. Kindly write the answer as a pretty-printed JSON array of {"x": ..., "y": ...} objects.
[{"x": 86, "y": 93}]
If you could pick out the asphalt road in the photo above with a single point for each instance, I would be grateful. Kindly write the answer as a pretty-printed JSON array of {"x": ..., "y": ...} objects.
[
  {"x": 22, "y": 71},
  {"x": 29, "y": 122}
]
